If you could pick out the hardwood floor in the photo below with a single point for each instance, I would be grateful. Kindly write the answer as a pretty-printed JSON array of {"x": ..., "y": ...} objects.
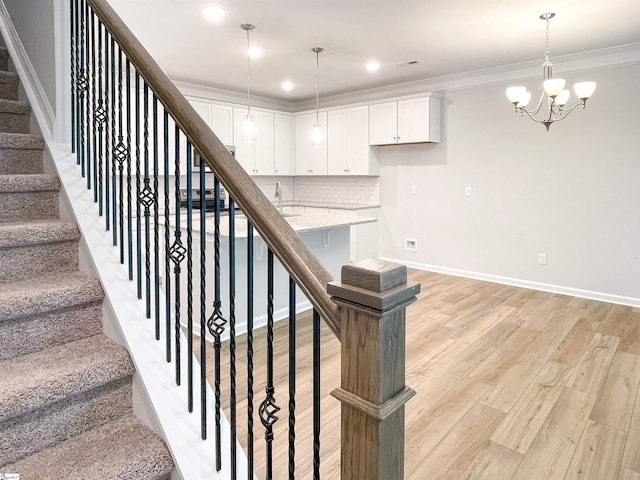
[{"x": 511, "y": 384}]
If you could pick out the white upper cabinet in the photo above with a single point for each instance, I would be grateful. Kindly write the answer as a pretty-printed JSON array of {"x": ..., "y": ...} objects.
[
  {"x": 257, "y": 158},
  {"x": 283, "y": 144},
  {"x": 222, "y": 123},
  {"x": 415, "y": 120},
  {"x": 349, "y": 152},
  {"x": 310, "y": 160}
]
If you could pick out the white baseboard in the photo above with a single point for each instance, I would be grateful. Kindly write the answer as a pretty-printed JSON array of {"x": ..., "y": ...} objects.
[
  {"x": 574, "y": 292},
  {"x": 29, "y": 80}
]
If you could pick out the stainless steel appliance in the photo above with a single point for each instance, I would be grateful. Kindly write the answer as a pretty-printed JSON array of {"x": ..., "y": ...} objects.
[{"x": 208, "y": 193}]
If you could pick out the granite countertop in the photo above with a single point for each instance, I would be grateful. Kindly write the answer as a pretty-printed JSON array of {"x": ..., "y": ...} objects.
[
  {"x": 339, "y": 206},
  {"x": 301, "y": 222}
]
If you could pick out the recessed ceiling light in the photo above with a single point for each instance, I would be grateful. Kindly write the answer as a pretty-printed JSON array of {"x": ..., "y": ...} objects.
[
  {"x": 214, "y": 12},
  {"x": 287, "y": 86},
  {"x": 254, "y": 52},
  {"x": 373, "y": 66}
]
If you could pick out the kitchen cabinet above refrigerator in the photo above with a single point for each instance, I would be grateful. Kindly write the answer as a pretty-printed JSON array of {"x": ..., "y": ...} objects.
[{"x": 414, "y": 120}]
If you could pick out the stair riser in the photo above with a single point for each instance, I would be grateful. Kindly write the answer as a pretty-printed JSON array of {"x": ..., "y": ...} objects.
[
  {"x": 9, "y": 89},
  {"x": 26, "y": 206},
  {"x": 20, "y": 162},
  {"x": 4, "y": 63},
  {"x": 29, "y": 433},
  {"x": 14, "y": 123},
  {"x": 21, "y": 263},
  {"x": 31, "y": 334}
]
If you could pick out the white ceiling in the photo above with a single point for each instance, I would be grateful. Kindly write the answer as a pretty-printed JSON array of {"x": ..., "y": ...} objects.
[{"x": 445, "y": 36}]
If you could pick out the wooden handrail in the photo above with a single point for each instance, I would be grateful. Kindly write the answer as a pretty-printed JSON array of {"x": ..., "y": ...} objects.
[{"x": 284, "y": 242}]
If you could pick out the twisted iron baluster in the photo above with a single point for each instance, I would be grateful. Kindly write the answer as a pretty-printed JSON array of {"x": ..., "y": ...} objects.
[
  {"x": 316, "y": 395},
  {"x": 147, "y": 199},
  {"x": 269, "y": 408},
  {"x": 292, "y": 378},
  {"x": 114, "y": 212},
  {"x": 232, "y": 337},
  {"x": 177, "y": 253},
  {"x": 203, "y": 303},
  {"x": 189, "y": 278},
  {"x": 100, "y": 119},
  {"x": 121, "y": 153},
  {"x": 249, "y": 351},
  {"x": 82, "y": 88},
  {"x": 88, "y": 121},
  {"x": 156, "y": 226},
  {"x": 216, "y": 322},
  {"x": 167, "y": 239},
  {"x": 107, "y": 137}
]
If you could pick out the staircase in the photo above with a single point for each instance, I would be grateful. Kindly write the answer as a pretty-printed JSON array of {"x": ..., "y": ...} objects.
[{"x": 65, "y": 388}]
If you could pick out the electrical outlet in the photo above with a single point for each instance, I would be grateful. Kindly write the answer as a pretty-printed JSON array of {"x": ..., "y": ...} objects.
[
  {"x": 411, "y": 244},
  {"x": 467, "y": 191},
  {"x": 414, "y": 189},
  {"x": 542, "y": 258}
]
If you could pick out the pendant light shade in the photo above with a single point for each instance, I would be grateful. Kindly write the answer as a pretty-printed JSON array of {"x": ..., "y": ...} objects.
[
  {"x": 317, "y": 137},
  {"x": 249, "y": 129}
]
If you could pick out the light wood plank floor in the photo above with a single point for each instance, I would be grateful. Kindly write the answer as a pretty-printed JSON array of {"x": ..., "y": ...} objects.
[{"x": 511, "y": 384}]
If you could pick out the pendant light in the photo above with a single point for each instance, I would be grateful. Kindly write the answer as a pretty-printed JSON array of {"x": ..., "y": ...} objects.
[
  {"x": 249, "y": 129},
  {"x": 317, "y": 138}
]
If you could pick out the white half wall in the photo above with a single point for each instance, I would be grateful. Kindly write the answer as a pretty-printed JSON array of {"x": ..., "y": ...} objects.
[{"x": 572, "y": 193}]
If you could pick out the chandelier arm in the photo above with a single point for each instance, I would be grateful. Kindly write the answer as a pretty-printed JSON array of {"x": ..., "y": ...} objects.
[
  {"x": 537, "y": 109},
  {"x": 565, "y": 112},
  {"x": 531, "y": 115}
]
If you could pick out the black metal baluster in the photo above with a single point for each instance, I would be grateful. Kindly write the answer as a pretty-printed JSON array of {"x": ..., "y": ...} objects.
[
  {"x": 100, "y": 119},
  {"x": 122, "y": 155},
  {"x": 72, "y": 43},
  {"x": 146, "y": 197},
  {"x": 177, "y": 253},
  {"x": 107, "y": 136},
  {"x": 292, "y": 378},
  {"x": 316, "y": 395},
  {"x": 232, "y": 338},
  {"x": 138, "y": 192},
  {"x": 269, "y": 408},
  {"x": 129, "y": 207},
  {"x": 167, "y": 239},
  {"x": 250, "y": 270},
  {"x": 189, "y": 278},
  {"x": 94, "y": 155},
  {"x": 82, "y": 87},
  {"x": 114, "y": 110},
  {"x": 216, "y": 322},
  {"x": 156, "y": 227},
  {"x": 203, "y": 302},
  {"x": 87, "y": 120}
]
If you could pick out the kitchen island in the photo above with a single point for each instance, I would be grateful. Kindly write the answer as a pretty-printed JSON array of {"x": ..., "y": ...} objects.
[{"x": 327, "y": 235}]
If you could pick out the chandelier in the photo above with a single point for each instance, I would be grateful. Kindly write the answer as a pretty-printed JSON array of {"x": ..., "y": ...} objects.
[{"x": 557, "y": 96}]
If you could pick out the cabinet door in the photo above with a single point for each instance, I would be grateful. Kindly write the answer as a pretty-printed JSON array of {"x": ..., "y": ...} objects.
[
  {"x": 263, "y": 146},
  {"x": 383, "y": 123},
  {"x": 361, "y": 160},
  {"x": 222, "y": 123},
  {"x": 337, "y": 142},
  {"x": 244, "y": 150},
  {"x": 413, "y": 120},
  {"x": 283, "y": 144},
  {"x": 310, "y": 160}
]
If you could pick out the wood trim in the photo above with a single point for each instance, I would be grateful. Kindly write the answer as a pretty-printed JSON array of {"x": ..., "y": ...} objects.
[
  {"x": 296, "y": 258},
  {"x": 377, "y": 412}
]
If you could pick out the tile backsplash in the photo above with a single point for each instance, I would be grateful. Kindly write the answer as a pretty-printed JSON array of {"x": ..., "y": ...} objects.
[{"x": 343, "y": 189}]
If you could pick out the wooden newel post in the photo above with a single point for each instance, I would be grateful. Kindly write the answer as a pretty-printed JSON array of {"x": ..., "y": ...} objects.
[{"x": 373, "y": 296}]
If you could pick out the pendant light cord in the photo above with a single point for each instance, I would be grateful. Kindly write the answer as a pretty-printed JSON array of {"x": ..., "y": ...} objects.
[
  {"x": 317, "y": 81},
  {"x": 248, "y": 75}
]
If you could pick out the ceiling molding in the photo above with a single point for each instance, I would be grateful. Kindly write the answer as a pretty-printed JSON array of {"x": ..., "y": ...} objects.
[{"x": 596, "y": 59}]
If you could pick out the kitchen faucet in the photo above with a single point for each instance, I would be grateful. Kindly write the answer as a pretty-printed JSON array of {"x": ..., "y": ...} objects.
[{"x": 279, "y": 195}]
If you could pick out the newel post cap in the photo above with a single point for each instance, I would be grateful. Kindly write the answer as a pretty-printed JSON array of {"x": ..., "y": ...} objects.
[{"x": 375, "y": 284}]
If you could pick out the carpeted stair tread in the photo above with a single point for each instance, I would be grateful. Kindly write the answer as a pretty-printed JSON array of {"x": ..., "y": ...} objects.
[
  {"x": 32, "y": 233},
  {"x": 14, "y": 107},
  {"x": 9, "y": 85},
  {"x": 29, "y": 183},
  {"x": 41, "y": 294},
  {"x": 124, "y": 449},
  {"x": 20, "y": 141},
  {"x": 4, "y": 58},
  {"x": 33, "y": 381}
]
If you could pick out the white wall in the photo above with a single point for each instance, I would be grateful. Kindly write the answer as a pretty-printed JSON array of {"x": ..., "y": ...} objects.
[
  {"x": 572, "y": 193},
  {"x": 33, "y": 20}
]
